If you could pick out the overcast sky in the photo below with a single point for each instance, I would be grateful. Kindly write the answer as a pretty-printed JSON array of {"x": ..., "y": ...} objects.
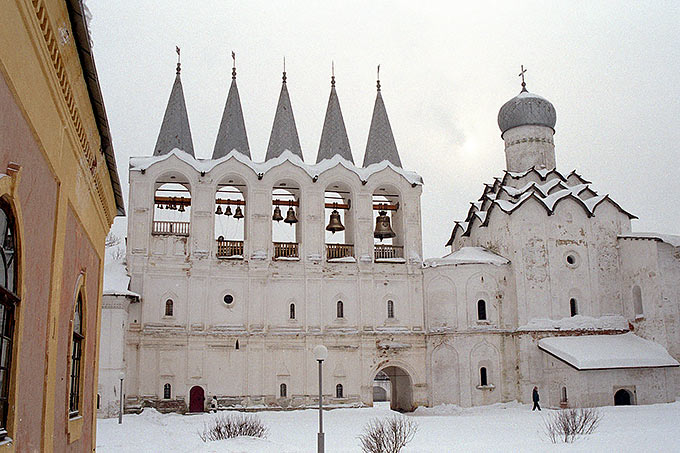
[{"x": 612, "y": 70}]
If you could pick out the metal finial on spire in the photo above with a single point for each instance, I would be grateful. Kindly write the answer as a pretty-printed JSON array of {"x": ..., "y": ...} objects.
[
  {"x": 521, "y": 74},
  {"x": 332, "y": 73},
  {"x": 179, "y": 64},
  {"x": 284, "y": 70},
  {"x": 378, "y": 84},
  {"x": 233, "y": 68}
]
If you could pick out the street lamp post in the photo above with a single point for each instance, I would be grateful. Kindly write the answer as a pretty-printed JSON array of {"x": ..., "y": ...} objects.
[
  {"x": 121, "y": 376},
  {"x": 320, "y": 354}
]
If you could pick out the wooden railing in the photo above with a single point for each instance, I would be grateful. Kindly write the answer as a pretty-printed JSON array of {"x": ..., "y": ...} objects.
[
  {"x": 286, "y": 250},
  {"x": 384, "y": 251},
  {"x": 170, "y": 228},
  {"x": 229, "y": 249},
  {"x": 339, "y": 251}
]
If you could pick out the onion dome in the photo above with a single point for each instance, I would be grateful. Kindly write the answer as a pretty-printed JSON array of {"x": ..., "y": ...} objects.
[{"x": 526, "y": 109}]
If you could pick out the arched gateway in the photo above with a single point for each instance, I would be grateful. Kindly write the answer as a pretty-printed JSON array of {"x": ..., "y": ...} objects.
[{"x": 401, "y": 386}]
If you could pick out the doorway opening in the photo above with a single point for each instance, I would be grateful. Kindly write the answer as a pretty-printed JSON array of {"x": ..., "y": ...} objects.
[
  {"x": 400, "y": 388},
  {"x": 623, "y": 397},
  {"x": 196, "y": 399}
]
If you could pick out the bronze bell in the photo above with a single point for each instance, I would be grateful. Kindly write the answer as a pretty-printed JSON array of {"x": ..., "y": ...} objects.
[
  {"x": 277, "y": 214},
  {"x": 334, "y": 224},
  {"x": 238, "y": 214},
  {"x": 160, "y": 206},
  {"x": 228, "y": 210},
  {"x": 290, "y": 216},
  {"x": 383, "y": 230},
  {"x": 218, "y": 211},
  {"x": 181, "y": 208}
]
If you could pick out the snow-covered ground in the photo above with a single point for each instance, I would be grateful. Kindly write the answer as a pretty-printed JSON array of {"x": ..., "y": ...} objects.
[{"x": 502, "y": 427}]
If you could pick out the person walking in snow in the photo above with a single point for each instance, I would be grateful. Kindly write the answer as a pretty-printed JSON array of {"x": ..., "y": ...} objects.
[
  {"x": 535, "y": 397},
  {"x": 213, "y": 404}
]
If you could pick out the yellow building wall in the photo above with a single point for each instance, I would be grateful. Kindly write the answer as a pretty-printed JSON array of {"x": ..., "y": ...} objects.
[{"x": 40, "y": 64}]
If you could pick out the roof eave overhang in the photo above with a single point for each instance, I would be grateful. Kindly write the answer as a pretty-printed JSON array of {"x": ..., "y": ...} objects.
[{"x": 82, "y": 42}]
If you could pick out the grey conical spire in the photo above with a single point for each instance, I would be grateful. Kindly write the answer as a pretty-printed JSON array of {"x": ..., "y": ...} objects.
[
  {"x": 334, "y": 135},
  {"x": 380, "y": 145},
  {"x": 175, "y": 131},
  {"x": 232, "y": 133},
  {"x": 284, "y": 134}
]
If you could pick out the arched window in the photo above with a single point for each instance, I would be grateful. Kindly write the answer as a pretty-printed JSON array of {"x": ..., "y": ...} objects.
[
  {"x": 573, "y": 306},
  {"x": 292, "y": 311},
  {"x": 283, "y": 391},
  {"x": 390, "y": 309},
  {"x": 167, "y": 391},
  {"x": 483, "y": 380},
  {"x": 637, "y": 300},
  {"x": 563, "y": 398},
  {"x": 76, "y": 355},
  {"x": 481, "y": 310},
  {"x": 99, "y": 400},
  {"x": 172, "y": 205},
  {"x": 168, "y": 307},
  {"x": 338, "y": 391},
  {"x": 8, "y": 300},
  {"x": 236, "y": 346},
  {"x": 340, "y": 312}
]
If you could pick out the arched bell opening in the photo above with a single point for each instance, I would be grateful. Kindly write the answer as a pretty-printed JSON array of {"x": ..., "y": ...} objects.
[
  {"x": 286, "y": 231},
  {"x": 172, "y": 205},
  {"x": 339, "y": 223},
  {"x": 229, "y": 215},
  {"x": 388, "y": 235},
  {"x": 400, "y": 388}
]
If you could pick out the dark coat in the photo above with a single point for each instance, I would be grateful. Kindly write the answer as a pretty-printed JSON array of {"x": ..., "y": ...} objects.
[{"x": 535, "y": 396}]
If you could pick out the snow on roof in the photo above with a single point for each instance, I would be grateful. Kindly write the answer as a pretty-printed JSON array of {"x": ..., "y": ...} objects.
[
  {"x": 667, "y": 238},
  {"x": 206, "y": 165},
  {"x": 116, "y": 278},
  {"x": 578, "y": 322},
  {"x": 467, "y": 255},
  {"x": 509, "y": 198},
  {"x": 594, "y": 352}
]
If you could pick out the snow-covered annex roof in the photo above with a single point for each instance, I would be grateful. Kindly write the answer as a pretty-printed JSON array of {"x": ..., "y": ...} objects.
[
  {"x": 315, "y": 170},
  {"x": 597, "y": 352},
  {"x": 548, "y": 187},
  {"x": 669, "y": 239},
  {"x": 467, "y": 255},
  {"x": 116, "y": 278}
]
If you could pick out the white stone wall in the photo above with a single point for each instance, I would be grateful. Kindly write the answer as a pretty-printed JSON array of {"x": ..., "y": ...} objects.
[{"x": 114, "y": 321}]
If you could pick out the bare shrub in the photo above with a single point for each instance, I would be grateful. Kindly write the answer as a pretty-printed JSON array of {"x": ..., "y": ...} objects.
[
  {"x": 111, "y": 240},
  {"x": 388, "y": 435},
  {"x": 227, "y": 426},
  {"x": 567, "y": 424}
]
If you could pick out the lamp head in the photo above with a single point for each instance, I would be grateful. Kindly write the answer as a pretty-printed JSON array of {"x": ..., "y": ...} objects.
[
  {"x": 320, "y": 353},
  {"x": 121, "y": 376}
]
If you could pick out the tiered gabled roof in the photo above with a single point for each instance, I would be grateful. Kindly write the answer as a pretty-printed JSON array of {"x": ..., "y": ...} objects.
[
  {"x": 175, "y": 131},
  {"x": 232, "y": 134},
  {"x": 284, "y": 134},
  {"x": 380, "y": 145},
  {"x": 548, "y": 187},
  {"x": 334, "y": 134}
]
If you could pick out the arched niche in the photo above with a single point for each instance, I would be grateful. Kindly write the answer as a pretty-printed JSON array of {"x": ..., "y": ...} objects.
[
  {"x": 445, "y": 379},
  {"x": 230, "y": 217}
]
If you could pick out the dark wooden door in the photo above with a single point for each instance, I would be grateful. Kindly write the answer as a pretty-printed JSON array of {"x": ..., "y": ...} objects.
[{"x": 196, "y": 399}]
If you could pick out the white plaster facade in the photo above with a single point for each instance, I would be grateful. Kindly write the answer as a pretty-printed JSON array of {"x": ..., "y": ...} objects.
[{"x": 557, "y": 249}]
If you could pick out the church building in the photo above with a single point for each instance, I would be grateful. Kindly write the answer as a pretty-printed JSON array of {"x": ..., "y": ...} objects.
[{"x": 236, "y": 269}]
